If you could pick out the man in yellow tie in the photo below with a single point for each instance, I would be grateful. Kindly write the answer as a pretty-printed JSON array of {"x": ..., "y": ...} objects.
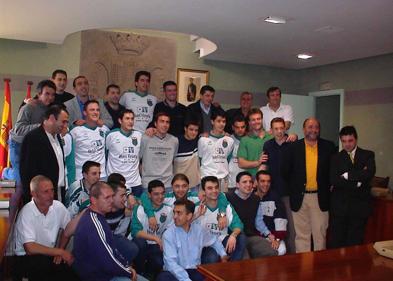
[{"x": 351, "y": 172}]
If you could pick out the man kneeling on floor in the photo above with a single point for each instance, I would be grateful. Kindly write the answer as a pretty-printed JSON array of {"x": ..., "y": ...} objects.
[{"x": 180, "y": 256}]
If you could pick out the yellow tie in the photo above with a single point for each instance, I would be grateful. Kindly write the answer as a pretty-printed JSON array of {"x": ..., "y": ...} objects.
[{"x": 350, "y": 156}]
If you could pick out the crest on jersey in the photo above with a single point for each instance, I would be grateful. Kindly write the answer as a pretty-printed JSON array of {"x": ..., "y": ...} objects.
[
  {"x": 134, "y": 141},
  {"x": 224, "y": 143},
  {"x": 102, "y": 134},
  {"x": 163, "y": 218},
  {"x": 149, "y": 102}
]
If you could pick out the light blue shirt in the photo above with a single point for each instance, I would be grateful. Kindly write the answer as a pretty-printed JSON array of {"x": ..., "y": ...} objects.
[
  {"x": 183, "y": 250},
  {"x": 259, "y": 223}
]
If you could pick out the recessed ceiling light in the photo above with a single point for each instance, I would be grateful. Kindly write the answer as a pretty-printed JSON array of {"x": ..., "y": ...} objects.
[
  {"x": 275, "y": 20},
  {"x": 304, "y": 56}
]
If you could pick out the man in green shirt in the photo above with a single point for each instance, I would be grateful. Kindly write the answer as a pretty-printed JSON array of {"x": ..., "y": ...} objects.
[{"x": 250, "y": 153}]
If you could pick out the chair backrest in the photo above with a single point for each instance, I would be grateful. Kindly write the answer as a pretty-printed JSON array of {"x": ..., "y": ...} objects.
[{"x": 380, "y": 182}]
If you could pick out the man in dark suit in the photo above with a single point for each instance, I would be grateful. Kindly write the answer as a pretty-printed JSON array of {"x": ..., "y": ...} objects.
[
  {"x": 203, "y": 109},
  {"x": 350, "y": 173},
  {"x": 305, "y": 169},
  {"x": 42, "y": 153}
]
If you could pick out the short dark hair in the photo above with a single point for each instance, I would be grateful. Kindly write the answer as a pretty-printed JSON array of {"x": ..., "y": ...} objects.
[
  {"x": 76, "y": 78},
  {"x": 116, "y": 186},
  {"x": 348, "y": 131},
  {"x": 192, "y": 121},
  {"x": 242, "y": 174},
  {"x": 206, "y": 88},
  {"x": 181, "y": 177},
  {"x": 54, "y": 110},
  {"x": 125, "y": 111},
  {"x": 189, "y": 205},
  {"x": 142, "y": 73},
  {"x": 277, "y": 120},
  {"x": 254, "y": 111},
  {"x": 239, "y": 118},
  {"x": 88, "y": 103},
  {"x": 168, "y": 83},
  {"x": 95, "y": 190},
  {"x": 210, "y": 179},
  {"x": 88, "y": 164},
  {"x": 58, "y": 71},
  {"x": 161, "y": 113},
  {"x": 272, "y": 89},
  {"x": 112, "y": 86},
  {"x": 116, "y": 178},
  {"x": 153, "y": 184},
  {"x": 45, "y": 83},
  {"x": 218, "y": 113},
  {"x": 262, "y": 172}
]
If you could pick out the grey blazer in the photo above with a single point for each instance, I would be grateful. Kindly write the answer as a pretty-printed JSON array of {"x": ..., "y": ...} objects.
[{"x": 75, "y": 112}]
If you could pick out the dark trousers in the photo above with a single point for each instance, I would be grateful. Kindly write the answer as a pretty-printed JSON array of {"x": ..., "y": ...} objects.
[
  {"x": 347, "y": 231},
  {"x": 193, "y": 274},
  {"x": 149, "y": 258},
  {"x": 127, "y": 248},
  {"x": 41, "y": 268}
]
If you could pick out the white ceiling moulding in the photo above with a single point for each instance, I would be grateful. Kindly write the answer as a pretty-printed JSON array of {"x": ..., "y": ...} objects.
[{"x": 203, "y": 46}]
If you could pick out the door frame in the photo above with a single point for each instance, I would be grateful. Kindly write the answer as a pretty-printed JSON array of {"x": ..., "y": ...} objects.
[{"x": 335, "y": 92}]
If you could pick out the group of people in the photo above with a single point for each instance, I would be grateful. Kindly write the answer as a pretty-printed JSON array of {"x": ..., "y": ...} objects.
[{"x": 134, "y": 188}]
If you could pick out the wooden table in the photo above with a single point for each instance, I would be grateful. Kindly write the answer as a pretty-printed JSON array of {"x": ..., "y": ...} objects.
[{"x": 359, "y": 263}]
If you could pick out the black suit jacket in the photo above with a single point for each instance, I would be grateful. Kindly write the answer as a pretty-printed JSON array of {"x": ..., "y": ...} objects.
[
  {"x": 347, "y": 198},
  {"x": 194, "y": 111},
  {"x": 294, "y": 172},
  {"x": 37, "y": 157}
]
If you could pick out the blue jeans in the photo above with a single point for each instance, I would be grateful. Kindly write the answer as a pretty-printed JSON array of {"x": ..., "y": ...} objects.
[
  {"x": 137, "y": 190},
  {"x": 193, "y": 274},
  {"x": 127, "y": 248},
  {"x": 150, "y": 257},
  {"x": 209, "y": 255},
  {"x": 14, "y": 159}
]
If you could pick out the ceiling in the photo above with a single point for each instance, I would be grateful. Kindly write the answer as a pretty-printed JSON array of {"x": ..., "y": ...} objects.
[{"x": 332, "y": 30}]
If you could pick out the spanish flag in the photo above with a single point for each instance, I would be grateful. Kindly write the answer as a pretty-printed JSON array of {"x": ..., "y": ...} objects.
[{"x": 6, "y": 124}]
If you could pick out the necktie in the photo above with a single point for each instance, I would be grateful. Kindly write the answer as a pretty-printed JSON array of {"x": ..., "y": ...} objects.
[{"x": 351, "y": 157}]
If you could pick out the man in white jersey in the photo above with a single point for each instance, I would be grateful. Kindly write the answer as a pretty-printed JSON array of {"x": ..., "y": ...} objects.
[
  {"x": 215, "y": 150},
  {"x": 89, "y": 139},
  {"x": 230, "y": 236},
  {"x": 149, "y": 241},
  {"x": 123, "y": 146},
  {"x": 158, "y": 152},
  {"x": 140, "y": 101},
  {"x": 77, "y": 195},
  {"x": 239, "y": 128}
]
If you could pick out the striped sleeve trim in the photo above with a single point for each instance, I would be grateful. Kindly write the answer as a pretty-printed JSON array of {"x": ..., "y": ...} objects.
[{"x": 102, "y": 236}]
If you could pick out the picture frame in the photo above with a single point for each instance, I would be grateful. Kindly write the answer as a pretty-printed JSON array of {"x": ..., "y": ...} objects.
[{"x": 189, "y": 83}]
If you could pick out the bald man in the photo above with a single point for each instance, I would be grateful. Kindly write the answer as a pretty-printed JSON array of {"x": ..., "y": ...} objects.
[{"x": 305, "y": 169}]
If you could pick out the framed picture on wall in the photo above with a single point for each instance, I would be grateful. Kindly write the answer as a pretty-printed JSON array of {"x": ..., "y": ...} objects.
[{"x": 189, "y": 83}]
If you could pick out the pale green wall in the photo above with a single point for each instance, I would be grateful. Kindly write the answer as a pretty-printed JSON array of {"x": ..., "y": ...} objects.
[
  {"x": 35, "y": 60},
  {"x": 40, "y": 59},
  {"x": 369, "y": 73}
]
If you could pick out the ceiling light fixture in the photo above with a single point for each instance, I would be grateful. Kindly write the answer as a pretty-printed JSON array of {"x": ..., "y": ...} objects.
[
  {"x": 304, "y": 56},
  {"x": 275, "y": 20}
]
